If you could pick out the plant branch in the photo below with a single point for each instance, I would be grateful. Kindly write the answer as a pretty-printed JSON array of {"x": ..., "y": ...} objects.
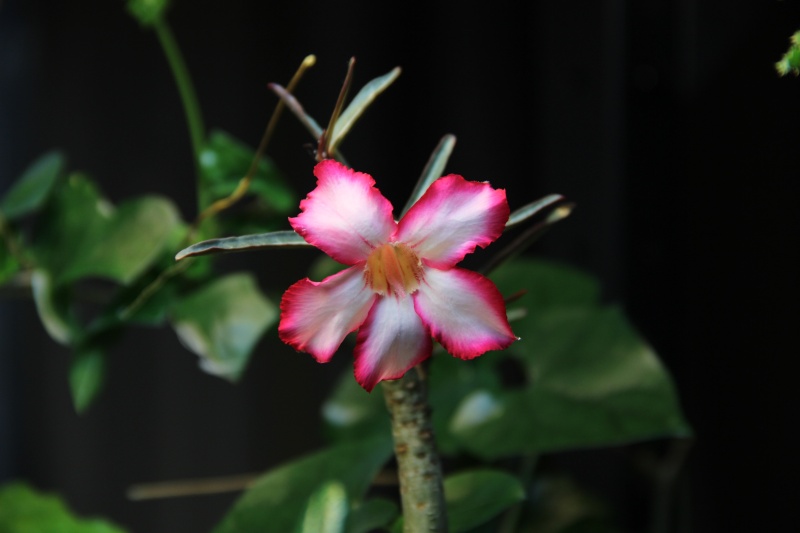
[
  {"x": 419, "y": 468},
  {"x": 191, "y": 108}
]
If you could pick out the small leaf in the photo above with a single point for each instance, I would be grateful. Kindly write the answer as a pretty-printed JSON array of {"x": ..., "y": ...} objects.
[
  {"x": 359, "y": 104},
  {"x": 294, "y": 106},
  {"x": 222, "y": 322},
  {"x": 52, "y": 308},
  {"x": 148, "y": 12},
  {"x": 8, "y": 264},
  {"x": 433, "y": 169},
  {"x": 371, "y": 515},
  {"x": 475, "y": 497},
  {"x": 277, "y": 500},
  {"x": 524, "y": 213},
  {"x": 31, "y": 191},
  {"x": 243, "y": 243},
  {"x": 224, "y": 161},
  {"x": 326, "y": 511},
  {"x": 86, "y": 375},
  {"x": 790, "y": 62},
  {"x": 24, "y": 510}
]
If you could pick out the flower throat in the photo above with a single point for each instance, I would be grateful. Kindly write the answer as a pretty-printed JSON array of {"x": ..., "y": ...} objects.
[{"x": 393, "y": 268}]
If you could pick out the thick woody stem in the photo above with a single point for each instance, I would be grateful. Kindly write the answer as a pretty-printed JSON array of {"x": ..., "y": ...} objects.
[{"x": 418, "y": 465}]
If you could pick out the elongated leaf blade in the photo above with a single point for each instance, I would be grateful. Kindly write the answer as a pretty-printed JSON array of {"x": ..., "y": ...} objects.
[
  {"x": 294, "y": 106},
  {"x": 433, "y": 169},
  {"x": 243, "y": 243},
  {"x": 524, "y": 213},
  {"x": 359, "y": 104}
]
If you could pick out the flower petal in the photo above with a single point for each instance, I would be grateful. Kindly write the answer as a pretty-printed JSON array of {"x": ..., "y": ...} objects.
[
  {"x": 452, "y": 218},
  {"x": 345, "y": 216},
  {"x": 464, "y": 311},
  {"x": 391, "y": 341},
  {"x": 317, "y": 316}
]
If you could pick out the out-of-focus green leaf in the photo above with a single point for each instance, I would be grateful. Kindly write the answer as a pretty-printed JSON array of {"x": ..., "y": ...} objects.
[
  {"x": 86, "y": 375},
  {"x": 8, "y": 264},
  {"x": 243, "y": 243},
  {"x": 222, "y": 322},
  {"x": 358, "y": 105},
  {"x": 590, "y": 380},
  {"x": 24, "y": 510},
  {"x": 31, "y": 191},
  {"x": 790, "y": 62},
  {"x": 276, "y": 502},
  {"x": 371, "y": 515},
  {"x": 148, "y": 12},
  {"x": 326, "y": 511},
  {"x": 131, "y": 239},
  {"x": 352, "y": 414},
  {"x": 52, "y": 306},
  {"x": 451, "y": 380},
  {"x": 83, "y": 235},
  {"x": 477, "y": 496},
  {"x": 433, "y": 169},
  {"x": 224, "y": 161}
]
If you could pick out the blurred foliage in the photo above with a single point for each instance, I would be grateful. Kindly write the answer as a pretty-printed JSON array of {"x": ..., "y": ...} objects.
[
  {"x": 790, "y": 62},
  {"x": 24, "y": 510}
]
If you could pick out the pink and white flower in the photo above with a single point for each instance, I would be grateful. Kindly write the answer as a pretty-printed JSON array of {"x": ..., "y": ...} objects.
[{"x": 402, "y": 287}]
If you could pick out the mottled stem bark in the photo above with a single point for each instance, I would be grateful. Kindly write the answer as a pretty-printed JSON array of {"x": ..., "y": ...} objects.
[{"x": 419, "y": 468}]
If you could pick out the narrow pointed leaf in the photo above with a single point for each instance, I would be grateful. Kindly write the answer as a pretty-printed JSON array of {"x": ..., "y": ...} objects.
[
  {"x": 222, "y": 321},
  {"x": 474, "y": 498},
  {"x": 243, "y": 243},
  {"x": 277, "y": 500},
  {"x": 433, "y": 170},
  {"x": 524, "y": 213},
  {"x": 326, "y": 511},
  {"x": 86, "y": 375},
  {"x": 33, "y": 188},
  {"x": 294, "y": 106},
  {"x": 359, "y": 104}
]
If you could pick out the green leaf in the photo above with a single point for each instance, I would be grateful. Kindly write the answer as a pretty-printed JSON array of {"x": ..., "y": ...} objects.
[
  {"x": 129, "y": 241},
  {"x": 225, "y": 160},
  {"x": 243, "y": 243},
  {"x": 359, "y": 104},
  {"x": 148, "y": 12},
  {"x": 590, "y": 380},
  {"x": 790, "y": 62},
  {"x": 86, "y": 375},
  {"x": 53, "y": 308},
  {"x": 278, "y": 499},
  {"x": 433, "y": 170},
  {"x": 31, "y": 191},
  {"x": 24, "y": 510},
  {"x": 83, "y": 235},
  {"x": 222, "y": 322},
  {"x": 326, "y": 511},
  {"x": 475, "y": 497},
  {"x": 524, "y": 213},
  {"x": 8, "y": 263},
  {"x": 352, "y": 414},
  {"x": 373, "y": 514}
]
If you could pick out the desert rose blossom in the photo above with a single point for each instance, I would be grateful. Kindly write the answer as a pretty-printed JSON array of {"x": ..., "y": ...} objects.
[{"x": 402, "y": 287}]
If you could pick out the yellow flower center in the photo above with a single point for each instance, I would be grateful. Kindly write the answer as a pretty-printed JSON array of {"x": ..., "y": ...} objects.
[{"x": 393, "y": 269}]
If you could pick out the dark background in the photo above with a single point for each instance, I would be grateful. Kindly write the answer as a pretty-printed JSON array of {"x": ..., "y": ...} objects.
[{"x": 664, "y": 121}]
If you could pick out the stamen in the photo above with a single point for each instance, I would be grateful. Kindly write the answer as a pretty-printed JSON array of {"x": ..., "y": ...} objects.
[{"x": 393, "y": 268}]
